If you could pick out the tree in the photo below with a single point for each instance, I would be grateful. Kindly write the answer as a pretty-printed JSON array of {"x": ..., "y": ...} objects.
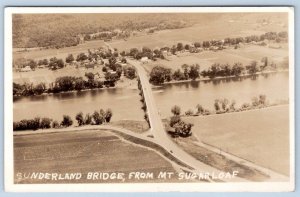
[
  {"x": 88, "y": 119},
  {"x": 185, "y": 68},
  {"x": 112, "y": 62},
  {"x": 60, "y": 63},
  {"x": 32, "y": 64},
  {"x": 39, "y": 88},
  {"x": 81, "y": 57},
  {"x": 176, "y": 110},
  {"x": 133, "y": 52},
  {"x": 146, "y": 50},
  {"x": 197, "y": 44},
  {"x": 237, "y": 69},
  {"x": 183, "y": 129},
  {"x": 262, "y": 99},
  {"x": 56, "y": 63},
  {"x": 97, "y": 118},
  {"x": 111, "y": 77},
  {"x": 264, "y": 60},
  {"x": 255, "y": 101},
  {"x": 232, "y": 105},
  {"x": 252, "y": 68},
  {"x": 90, "y": 76},
  {"x": 40, "y": 62},
  {"x": 108, "y": 115},
  {"x": 45, "y": 123},
  {"x": 179, "y": 46},
  {"x": 70, "y": 58},
  {"x": 187, "y": 47},
  {"x": 189, "y": 112},
  {"x": 200, "y": 109},
  {"x": 55, "y": 124},
  {"x": 45, "y": 62},
  {"x": 65, "y": 83},
  {"x": 79, "y": 84},
  {"x": 124, "y": 60},
  {"x": 217, "y": 106},
  {"x": 129, "y": 72},
  {"x": 67, "y": 121},
  {"x": 178, "y": 75},
  {"x": 159, "y": 75},
  {"x": 104, "y": 69},
  {"x": 194, "y": 72},
  {"x": 174, "y": 120},
  {"x": 224, "y": 104},
  {"x": 80, "y": 119}
]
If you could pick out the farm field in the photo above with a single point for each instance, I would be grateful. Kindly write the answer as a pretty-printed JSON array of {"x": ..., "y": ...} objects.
[
  {"x": 59, "y": 53},
  {"x": 250, "y": 24},
  {"x": 205, "y": 59},
  {"x": 47, "y": 76},
  {"x": 260, "y": 136},
  {"x": 225, "y": 26},
  {"x": 83, "y": 151}
]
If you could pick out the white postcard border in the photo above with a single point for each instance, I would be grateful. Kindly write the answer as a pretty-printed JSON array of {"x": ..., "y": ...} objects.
[{"x": 138, "y": 187}]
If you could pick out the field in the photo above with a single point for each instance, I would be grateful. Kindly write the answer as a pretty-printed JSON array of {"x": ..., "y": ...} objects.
[
  {"x": 59, "y": 53},
  {"x": 203, "y": 29},
  {"x": 205, "y": 59},
  {"x": 261, "y": 136},
  {"x": 207, "y": 30},
  {"x": 83, "y": 151},
  {"x": 48, "y": 76}
]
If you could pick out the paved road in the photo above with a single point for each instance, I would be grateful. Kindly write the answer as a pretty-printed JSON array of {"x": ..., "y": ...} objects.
[{"x": 158, "y": 130}]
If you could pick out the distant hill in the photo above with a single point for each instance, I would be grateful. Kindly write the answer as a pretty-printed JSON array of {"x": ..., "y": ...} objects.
[
  {"x": 61, "y": 30},
  {"x": 58, "y": 30}
]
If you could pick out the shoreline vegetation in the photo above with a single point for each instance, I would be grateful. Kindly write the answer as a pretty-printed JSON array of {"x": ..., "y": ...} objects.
[
  {"x": 112, "y": 74},
  {"x": 83, "y": 85},
  {"x": 176, "y": 127},
  {"x": 220, "y": 78},
  {"x": 96, "y": 118},
  {"x": 161, "y": 75}
]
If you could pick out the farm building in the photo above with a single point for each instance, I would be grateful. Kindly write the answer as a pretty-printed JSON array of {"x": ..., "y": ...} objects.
[
  {"x": 25, "y": 69},
  {"x": 144, "y": 60}
]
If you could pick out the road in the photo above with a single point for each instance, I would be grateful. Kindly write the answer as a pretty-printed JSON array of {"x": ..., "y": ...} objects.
[{"x": 158, "y": 130}]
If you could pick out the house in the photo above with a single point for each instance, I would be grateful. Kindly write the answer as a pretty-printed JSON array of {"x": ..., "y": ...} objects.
[
  {"x": 25, "y": 69},
  {"x": 144, "y": 60}
]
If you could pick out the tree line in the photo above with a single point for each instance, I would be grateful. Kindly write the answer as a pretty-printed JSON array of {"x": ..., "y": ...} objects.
[
  {"x": 64, "y": 30},
  {"x": 224, "y": 106},
  {"x": 96, "y": 118},
  {"x": 63, "y": 84},
  {"x": 207, "y": 44},
  {"x": 160, "y": 74},
  {"x": 179, "y": 128}
]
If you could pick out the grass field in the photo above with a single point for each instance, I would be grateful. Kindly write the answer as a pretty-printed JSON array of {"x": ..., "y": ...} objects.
[
  {"x": 205, "y": 59},
  {"x": 245, "y": 25},
  {"x": 48, "y": 76},
  {"x": 59, "y": 53},
  {"x": 261, "y": 136},
  {"x": 236, "y": 25},
  {"x": 132, "y": 125},
  {"x": 83, "y": 151}
]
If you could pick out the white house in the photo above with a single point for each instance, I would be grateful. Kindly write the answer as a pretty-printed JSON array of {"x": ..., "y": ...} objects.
[
  {"x": 144, "y": 60},
  {"x": 25, "y": 69}
]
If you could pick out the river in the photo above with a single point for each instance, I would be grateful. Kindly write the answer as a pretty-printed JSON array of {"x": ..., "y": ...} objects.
[{"x": 125, "y": 103}]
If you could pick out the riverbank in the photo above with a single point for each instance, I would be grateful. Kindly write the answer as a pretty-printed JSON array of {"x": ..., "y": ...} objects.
[
  {"x": 220, "y": 78},
  {"x": 260, "y": 136}
]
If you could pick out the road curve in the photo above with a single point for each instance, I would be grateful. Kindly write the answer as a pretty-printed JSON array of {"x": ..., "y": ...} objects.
[{"x": 158, "y": 130}]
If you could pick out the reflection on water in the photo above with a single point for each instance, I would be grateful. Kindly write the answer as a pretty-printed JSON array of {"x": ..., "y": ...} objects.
[
  {"x": 241, "y": 89},
  {"x": 71, "y": 103},
  {"x": 126, "y": 105}
]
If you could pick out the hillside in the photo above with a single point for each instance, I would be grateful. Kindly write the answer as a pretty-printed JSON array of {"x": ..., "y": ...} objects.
[{"x": 61, "y": 30}]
